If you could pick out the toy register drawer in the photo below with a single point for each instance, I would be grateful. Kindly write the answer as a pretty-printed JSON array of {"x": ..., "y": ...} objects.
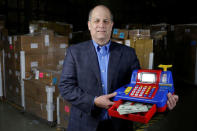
[{"x": 142, "y": 117}]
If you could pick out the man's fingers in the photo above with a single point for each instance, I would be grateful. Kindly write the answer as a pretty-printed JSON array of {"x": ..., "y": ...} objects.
[
  {"x": 169, "y": 105},
  {"x": 111, "y": 95},
  {"x": 176, "y": 97},
  {"x": 172, "y": 99}
]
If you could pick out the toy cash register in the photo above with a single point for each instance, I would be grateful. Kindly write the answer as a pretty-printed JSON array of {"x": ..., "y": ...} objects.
[{"x": 146, "y": 86}]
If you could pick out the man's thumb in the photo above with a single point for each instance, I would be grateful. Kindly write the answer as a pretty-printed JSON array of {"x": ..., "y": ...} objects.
[{"x": 112, "y": 95}]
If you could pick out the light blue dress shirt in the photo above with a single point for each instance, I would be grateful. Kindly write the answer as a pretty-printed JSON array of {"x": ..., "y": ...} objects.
[{"x": 103, "y": 59}]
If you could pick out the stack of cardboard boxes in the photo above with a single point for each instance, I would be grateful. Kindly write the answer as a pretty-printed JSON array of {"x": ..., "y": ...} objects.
[
  {"x": 34, "y": 63},
  {"x": 58, "y": 27},
  {"x": 140, "y": 40},
  {"x": 183, "y": 42}
]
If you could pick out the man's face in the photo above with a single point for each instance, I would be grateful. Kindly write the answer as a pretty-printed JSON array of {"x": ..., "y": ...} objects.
[{"x": 100, "y": 25}]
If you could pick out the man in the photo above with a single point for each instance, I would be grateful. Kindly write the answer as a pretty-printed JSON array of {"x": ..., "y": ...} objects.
[{"x": 92, "y": 71}]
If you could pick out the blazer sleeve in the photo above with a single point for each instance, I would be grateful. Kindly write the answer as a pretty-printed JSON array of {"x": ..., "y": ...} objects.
[{"x": 68, "y": 85}]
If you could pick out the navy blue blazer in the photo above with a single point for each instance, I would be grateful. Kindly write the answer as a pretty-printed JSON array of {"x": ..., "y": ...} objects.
[{"x": 80, "y": 81}]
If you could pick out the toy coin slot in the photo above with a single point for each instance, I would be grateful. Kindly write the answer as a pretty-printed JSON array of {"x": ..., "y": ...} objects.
[{"x": 142, "y": 117}]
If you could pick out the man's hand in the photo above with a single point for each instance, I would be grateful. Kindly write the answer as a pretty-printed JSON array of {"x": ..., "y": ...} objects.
[
  {"x": 172, "y": 100},
  {"x": 104, "y": 101}
]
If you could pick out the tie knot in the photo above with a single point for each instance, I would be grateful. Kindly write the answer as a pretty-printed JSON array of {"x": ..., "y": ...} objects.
[{"x": 102, "y": 50}]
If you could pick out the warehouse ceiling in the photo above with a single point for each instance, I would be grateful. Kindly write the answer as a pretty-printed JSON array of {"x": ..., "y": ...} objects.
[
  {"x": 20, "y": 12},
  {"x": 131, "y": 11}
]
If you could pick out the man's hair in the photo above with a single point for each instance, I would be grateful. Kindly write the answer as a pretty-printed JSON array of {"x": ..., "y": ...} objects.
[{"x": 90, "y": 13}]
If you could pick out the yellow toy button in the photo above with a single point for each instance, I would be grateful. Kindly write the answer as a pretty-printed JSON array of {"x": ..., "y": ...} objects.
[{"x": 127, "y": 90}]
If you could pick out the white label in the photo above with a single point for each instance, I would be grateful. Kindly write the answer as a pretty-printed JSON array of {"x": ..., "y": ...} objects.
[
  {"x": 63, "y": 46},
  {"x": 61, "y": 62},
  {"x": 10, "y": 40},
  {"x": 34, "y": 64},
  {"x": 34, "y": 45},
  {"x": 37, "y": 75},
  {"x": 128, "y": 42},
  {"x": 46, "y": 40}
]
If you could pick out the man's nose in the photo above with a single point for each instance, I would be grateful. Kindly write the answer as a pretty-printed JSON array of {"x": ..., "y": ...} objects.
[{"x": 101, "y": 24}]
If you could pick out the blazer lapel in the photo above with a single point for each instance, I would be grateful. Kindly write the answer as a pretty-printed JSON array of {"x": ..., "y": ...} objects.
[
  {"x": 94, "y": 61},
  {"x": 115, "y": 53}
]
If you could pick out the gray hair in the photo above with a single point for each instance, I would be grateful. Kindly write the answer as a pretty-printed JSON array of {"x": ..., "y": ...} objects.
[{"x": 90, "y": 13}]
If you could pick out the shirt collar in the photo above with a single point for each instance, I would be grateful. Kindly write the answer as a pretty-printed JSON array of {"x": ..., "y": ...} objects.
[{"x": 97, "y": 45}]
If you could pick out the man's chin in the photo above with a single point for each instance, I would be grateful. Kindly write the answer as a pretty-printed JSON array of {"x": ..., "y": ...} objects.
[{"x": 102, "y": 41}]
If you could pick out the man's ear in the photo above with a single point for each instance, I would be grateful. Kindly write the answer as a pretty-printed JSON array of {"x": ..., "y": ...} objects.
[
  {"x": 89, "y": 25},
  {"x": 112, "y": 24}
]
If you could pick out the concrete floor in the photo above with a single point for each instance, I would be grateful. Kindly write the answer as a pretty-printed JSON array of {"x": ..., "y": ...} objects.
[
  {"x": 182, "y": 118},
  {"x": 14, "y": 120}
]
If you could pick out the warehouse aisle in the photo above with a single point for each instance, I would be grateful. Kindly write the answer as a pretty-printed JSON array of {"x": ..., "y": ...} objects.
[{"x": 13, "y": 120}]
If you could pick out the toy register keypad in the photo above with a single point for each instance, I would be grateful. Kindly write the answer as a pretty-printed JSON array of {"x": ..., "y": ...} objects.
[{"x": 143, "y": 91}]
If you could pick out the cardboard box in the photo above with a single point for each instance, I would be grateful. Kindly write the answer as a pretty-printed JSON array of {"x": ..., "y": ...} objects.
[
  {"x": 3, "y": 34},
  {"x": 38, "y": 109},
  {"x": 130, "y": 42},
  {"x": 64, "y": 108},
  {"x": 36, "y": 90},
  {"x": 29, "y": 43},
  {"x": 58, "y": 27},
  {"x": 36, "y": 99},
  {"x": 139, "y": 34},
  {"x": 60, "y": 44},
  {"x": 117, "y": 41},
  {"x": 13, "y": 89},
  {"x": 143, "y": 48},
  {"x": 47, "y": 38},
  {"x": 120, "y": 33}
]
